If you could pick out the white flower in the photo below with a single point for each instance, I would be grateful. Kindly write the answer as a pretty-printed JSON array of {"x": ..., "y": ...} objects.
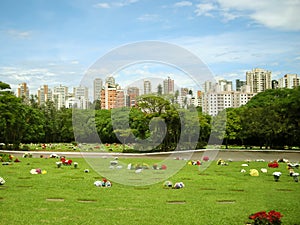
[
  {"x": 107, "y": 184},
  {"x": 98, "y": 183},
  {"x": 86, "y": 170},
  {"x": 138, "y": 171},
  {"x": 33, "y": 171},
  {"x": 263, "y": 170},
  {"x": 295, "y": 174},
  {"x": 260, "y": 160},
  {"x": 119, "y": 167},
  {"x": 243, "y": 171},
  {"x": 178, "y": 185},
  {"x": 53, "y": 155},
  {"x": 278, "y": 174},
  {"x": 244, "y": 165},
  {"x": 2, "y": 181}
]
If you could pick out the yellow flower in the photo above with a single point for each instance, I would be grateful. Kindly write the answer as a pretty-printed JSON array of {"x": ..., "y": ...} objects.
[
  {"x": 254, "y": 173},
  {"x": 44, "y": 171}
]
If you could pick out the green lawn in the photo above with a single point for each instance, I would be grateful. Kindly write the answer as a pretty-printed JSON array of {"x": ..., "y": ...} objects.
[{"x": 218, "y": 195}]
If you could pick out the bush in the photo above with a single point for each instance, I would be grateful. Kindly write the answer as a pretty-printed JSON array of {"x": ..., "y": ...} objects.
[
  {"x": 4, "y": 157},
  {"x": 25, "y": 148}
]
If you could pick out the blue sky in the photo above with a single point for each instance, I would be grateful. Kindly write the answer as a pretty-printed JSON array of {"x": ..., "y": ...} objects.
[{"x": 55, "y": 42}]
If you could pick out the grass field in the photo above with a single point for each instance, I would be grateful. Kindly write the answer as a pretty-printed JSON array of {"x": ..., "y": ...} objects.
[{"x": 218, "y": 195}]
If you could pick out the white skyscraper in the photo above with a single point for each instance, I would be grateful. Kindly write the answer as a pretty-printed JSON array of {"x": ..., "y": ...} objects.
[
  {"x": 259, "y": 80},
  {"x": 289, "y": 81},
  {"x": 59, "y": 96},
  {"x": 98, "y": 84},
  {"x": 147, "y": 87}
]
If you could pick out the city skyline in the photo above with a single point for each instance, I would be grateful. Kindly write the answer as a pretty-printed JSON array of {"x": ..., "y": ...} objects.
[{"x": 45, "y": 42}]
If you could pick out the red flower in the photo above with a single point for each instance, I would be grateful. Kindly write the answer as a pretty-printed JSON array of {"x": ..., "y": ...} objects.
[
  {"x": 270, "y": 218},
  {"x": 273, "y": 164}
]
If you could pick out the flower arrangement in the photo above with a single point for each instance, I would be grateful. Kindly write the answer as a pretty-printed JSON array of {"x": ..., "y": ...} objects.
[
  {"x": 58, "y": 164},
  {"x": 273, "y": 164},
  {"x": 27, "y": 155},
  {"x": 194, "y": 163},
  {"x": 178, "y": 185},
  {"x": 264, "y": 218},
  {"x": 38, "y": 171},
  {"x": 168, "y": 184},
  {"x": 103, "y": 183},
  {"x": 222, "y": 162},
  {"x": 205, "y": 158},
  {"x": 66, "y": 162},
  {"x": 254, "y": 173},
  {"x": 276, "y": 176},
  {"x": 2, "y": 181},
  {"x": 295, "y": 176},
  {"x": 263, "y": 170}
]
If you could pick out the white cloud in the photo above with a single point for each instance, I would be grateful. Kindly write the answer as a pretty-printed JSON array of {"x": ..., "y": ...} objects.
[
  {"x": 39, "y": 73},
  {"x": 102, "y": 5},
  {"x": 149, "y": 18},
  {"x": 105, "y": 5},
  {"x": 205, "y": 9},
  {"x": 17, "y": 34},
  {"x": 183, "y": 4},
  {"x": 273, "y": 14}
]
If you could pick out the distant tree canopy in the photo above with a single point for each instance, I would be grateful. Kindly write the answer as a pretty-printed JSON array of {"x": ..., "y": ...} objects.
[{"x": 271, "y": 119}]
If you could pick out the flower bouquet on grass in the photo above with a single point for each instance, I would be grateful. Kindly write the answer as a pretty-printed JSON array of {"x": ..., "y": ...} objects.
[
  {"x": 66, "y": 162},
  {"x": 273, "y": 164},
  {"x": 2, "y": 181},
  {"x": 264, "y": 218},
  {"x": 276, "y": 176}
]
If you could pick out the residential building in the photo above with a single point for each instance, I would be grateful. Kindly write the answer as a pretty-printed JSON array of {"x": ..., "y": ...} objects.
[
  {"x": 110, "y": 81},
  {"x": 44, "y": 94},
  {"x": 59, "y": 96},
  {"x": 215, "y": 102},
  {"x": 274, "y": 84},
  {"x": 98, "y": 84},
  {"x": 81, "y": 94},
  {"x": 238, "y": 84},
  {"x": 23, "y": 91},
  {"x": 132, "y": 94},
  {"x": 168, "y": 86},
  {"x": 259, "y": 80},
  {"x": 147, "y": 87},
  {"x": 112, "y": 97},
  {"x": 289, "y": 81}
]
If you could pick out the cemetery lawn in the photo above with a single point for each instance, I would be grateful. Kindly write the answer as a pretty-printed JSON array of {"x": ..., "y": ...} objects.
[{"x": 217, "y": 195}]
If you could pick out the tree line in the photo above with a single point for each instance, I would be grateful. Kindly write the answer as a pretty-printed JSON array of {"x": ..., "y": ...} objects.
[{"x": 270, "y": 119}]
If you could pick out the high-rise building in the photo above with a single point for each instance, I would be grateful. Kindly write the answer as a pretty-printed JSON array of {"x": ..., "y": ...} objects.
[
  {"x": 289, "y": 81},
  {"x": 132, "y": 94},
  {"x": 215, "y": 102},
  {"x": 23, "y": 91},
  {"x": 59, "y": 96},
  {"x": 259, "y": 80},
  {"x": 274, "y": 84},
  {"x": 224, "y": 85},
  {"x": 238, "y": 84},
  {"x": 147, "y": 87},
  {"x": 207, "y": 86},
  {"x": 110, "y": 81},
  {"x": 44, "y": 94},
  {"x": 168, "y": 86},
  {"x": 81, "y": 95},
  {"x": 112, "y": 97},
  {"x": 98, "y": 83}
]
